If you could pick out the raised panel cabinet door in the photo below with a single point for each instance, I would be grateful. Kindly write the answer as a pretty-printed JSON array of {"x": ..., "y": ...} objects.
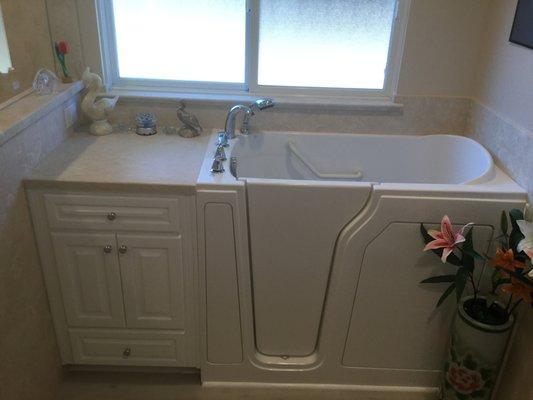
[
  {"x": 89, "y": 273},
  {"x": 153, "y": 281}
]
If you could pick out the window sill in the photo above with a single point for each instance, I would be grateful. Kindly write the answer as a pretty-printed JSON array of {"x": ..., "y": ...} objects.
[{"x": 362, "y": 105}]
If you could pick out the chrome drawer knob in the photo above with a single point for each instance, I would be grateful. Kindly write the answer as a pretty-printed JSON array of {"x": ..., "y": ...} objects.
[
  {"x": 123, "y": 249},
  {"x": 108, "y": 249},
  {"x": 127, "y": 352},
  {"x": 112, "y": 216}
]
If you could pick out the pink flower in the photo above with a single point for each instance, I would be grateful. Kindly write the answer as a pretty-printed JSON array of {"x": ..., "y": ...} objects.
[
  {"x": 464, "y": 380},
  {"x": 446, "y": 238}
]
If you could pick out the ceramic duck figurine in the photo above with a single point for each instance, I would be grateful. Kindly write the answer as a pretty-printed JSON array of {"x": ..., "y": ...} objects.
[{"x": 96, "y": 106}]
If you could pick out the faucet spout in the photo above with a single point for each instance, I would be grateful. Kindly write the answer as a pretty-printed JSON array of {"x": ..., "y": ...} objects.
[
  {"x": 249, "y": 111},
  {"x": 232, "y": 116}
]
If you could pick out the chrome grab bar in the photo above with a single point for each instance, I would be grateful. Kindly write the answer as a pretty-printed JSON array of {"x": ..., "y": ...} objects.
[{"x": 358, "y": 175}]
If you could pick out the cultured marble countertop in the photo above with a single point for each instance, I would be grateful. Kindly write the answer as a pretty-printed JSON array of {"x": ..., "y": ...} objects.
[{"x": 122, "y": 160}]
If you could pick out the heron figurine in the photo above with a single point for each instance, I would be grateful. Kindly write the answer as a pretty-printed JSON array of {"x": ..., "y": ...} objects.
[{"x": 191, "y": 127}]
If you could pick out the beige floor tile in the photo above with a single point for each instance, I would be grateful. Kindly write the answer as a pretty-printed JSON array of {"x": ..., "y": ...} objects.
[{"x": 136, "y": 386}]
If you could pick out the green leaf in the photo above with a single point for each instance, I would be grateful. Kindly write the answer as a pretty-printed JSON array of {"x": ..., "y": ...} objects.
[
  {"x": 522, "y": 278},
  {"x": 474, "y": 254},
  {"x": 504, "y": 223},
  {"x": 452, "y": 258},
  {"x": 440, "y": 279},
  {"x": 491, "y": 299},
  {"x": 516, "y": 235},
  {"x": 502, "y": 281},
  {"x": 516, "y": 215},
  {"x": 453, "y": 354},
  {"x": 468, "y": 249},
  {"x": 485, "y": 373},
  {"x": 445, "y": 295},
  {"x": 470, "y": 363},
  {"x": 460, "y": 281}
]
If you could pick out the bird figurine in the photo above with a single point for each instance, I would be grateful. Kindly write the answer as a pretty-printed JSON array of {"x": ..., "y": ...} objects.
[
  {"x": 191, "y": 127},
  {"x": 97, "y": 106}
]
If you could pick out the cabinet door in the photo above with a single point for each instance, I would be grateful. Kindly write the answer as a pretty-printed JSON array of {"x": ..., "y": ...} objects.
[
  {"x": 89, "y": 273},
  {"x": 152, "y": 280}
]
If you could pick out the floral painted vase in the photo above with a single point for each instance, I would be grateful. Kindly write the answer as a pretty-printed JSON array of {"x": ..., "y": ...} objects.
[{"x": 474, "y": 358}]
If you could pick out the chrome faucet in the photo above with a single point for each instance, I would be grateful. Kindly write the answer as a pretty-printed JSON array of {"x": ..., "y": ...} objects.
[
  {"x": 259, "y": 105},
  {"x": 249, "y": 111},
  {"x": 232, "y": 116}
]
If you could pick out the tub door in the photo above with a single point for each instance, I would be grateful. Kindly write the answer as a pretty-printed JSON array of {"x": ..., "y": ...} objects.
[{"x": 293, "y": 228}]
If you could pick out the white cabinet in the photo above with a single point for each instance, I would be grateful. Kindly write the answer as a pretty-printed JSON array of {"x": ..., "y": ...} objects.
[
  {"x": 99, "y": 212},
  {"x": 121, "y": 276},
  {"x": 89, "y": 273},
  {"x": 127, "y": 347},
  {"x": 152, "y": 281}
]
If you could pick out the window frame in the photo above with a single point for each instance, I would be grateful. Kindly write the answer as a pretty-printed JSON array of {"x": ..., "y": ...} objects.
[{"x": 107, "y": 64}]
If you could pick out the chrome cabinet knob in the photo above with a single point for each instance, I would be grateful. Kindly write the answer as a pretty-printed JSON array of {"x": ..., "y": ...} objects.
[
  {"x": 112, "y": 216},
  {"x": 127, "y": 352},
  {"x": 108, "y": 249},
  {"x": 123, "y": 249}
]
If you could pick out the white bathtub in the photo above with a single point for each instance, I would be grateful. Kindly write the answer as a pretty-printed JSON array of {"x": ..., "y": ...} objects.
[
  {"x": 310, "y": 259},
  {"x": 438, "y": 159}
]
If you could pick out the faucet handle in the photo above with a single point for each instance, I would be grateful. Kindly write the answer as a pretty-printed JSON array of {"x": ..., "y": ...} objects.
[
  {"x": 262, "y": 104},
  {"x": 220, "y": 153},
  {"x": 217, "y": 167},
  {"x": 222, "y": 140}
]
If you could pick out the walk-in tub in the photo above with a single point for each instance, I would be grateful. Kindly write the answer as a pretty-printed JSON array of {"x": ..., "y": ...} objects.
[{"x": 310, "y": 254}]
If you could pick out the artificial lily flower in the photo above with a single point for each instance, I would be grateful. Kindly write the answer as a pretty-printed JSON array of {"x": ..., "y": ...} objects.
[
  {"x": 505, "y": 259},
  {"x": 446, "y": 239},
  {"x": 526, "y": 227},
  {"x": 520, "y": 290}
]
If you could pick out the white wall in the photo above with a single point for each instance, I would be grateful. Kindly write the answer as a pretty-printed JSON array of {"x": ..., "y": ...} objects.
[
  {"x": 442, "y": 47},
  {"x": 506, "y": 69}
]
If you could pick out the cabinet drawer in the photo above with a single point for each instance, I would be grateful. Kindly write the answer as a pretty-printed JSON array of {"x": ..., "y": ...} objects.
[
  {"x": 136, "y": 348},
  {"x": 66, "y": 211}
]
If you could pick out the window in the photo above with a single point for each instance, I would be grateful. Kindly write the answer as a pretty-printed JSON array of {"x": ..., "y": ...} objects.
[
  {"x": 187, "y": 40},
  {"x": 340, "y": 47}
]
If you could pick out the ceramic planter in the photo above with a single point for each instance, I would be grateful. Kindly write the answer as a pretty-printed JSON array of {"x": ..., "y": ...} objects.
[{"x": 474, "y": 357}]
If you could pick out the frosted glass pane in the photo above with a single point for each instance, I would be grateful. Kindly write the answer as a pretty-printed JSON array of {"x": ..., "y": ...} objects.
[
  {"x": 325, "y": 43},
  {"x": 187, "y": 40}
]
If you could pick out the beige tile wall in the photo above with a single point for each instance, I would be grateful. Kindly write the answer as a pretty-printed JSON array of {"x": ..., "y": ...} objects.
[
  {"x": 29, "y": 360},
  {"x": 28, "y": 35},
  {"x": 420, "y": 115},
  {"x": 512, "y": 148}
]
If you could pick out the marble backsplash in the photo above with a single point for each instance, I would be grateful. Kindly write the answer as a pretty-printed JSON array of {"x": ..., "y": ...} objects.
[
  {"x": 510, "y": 145},
  {"x": 419, "y": 115}
]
